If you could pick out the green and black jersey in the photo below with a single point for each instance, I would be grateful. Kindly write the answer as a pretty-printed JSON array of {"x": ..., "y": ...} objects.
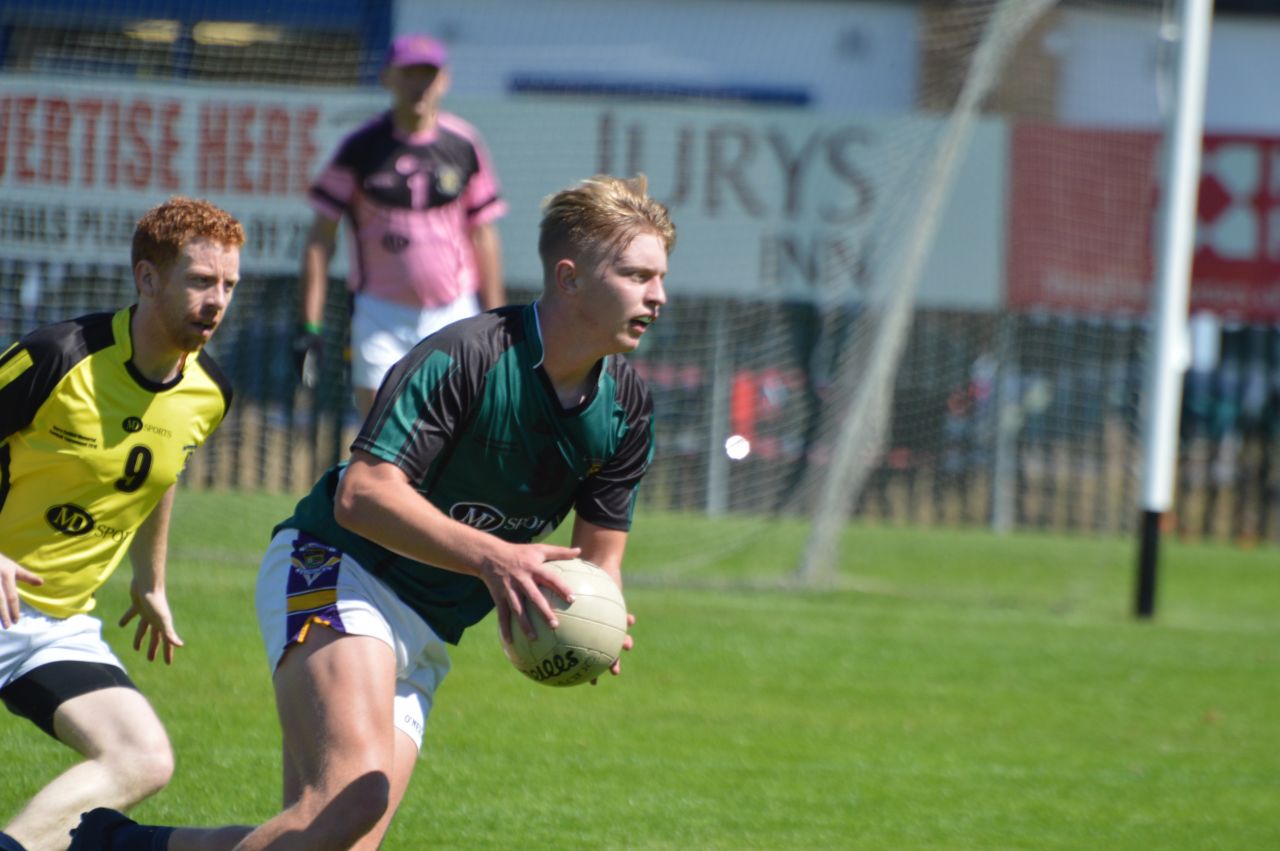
[
  {"x": 88, "y": 446},
  {"x": 472, "y": 419}
]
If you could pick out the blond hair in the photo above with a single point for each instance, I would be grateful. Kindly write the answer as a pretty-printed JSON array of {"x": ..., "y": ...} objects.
[
  {"x": 599, "y": 217},
  {"x": 164, "y": 229}
]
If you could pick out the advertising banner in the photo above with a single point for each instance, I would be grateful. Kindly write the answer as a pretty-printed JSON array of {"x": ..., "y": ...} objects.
[
  {"x": 769, "y": 202},
  {"x": 80, "y": 163},
  {"x": 1084, "y": 207},
  {"x": 1237, "y": 261}
]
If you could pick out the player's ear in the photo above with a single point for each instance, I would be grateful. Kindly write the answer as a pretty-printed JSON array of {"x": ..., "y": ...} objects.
[
  {"x": 146, "y": 277},
  {"x": 567, "y": 276}
]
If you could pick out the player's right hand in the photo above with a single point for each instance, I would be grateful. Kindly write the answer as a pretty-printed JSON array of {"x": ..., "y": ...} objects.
[
  {"x": 514, "y": 583},
  {"x": 308, "y": 355},
  {"x": 11, "y": 573},
  {"x": 627, "y": 643}
]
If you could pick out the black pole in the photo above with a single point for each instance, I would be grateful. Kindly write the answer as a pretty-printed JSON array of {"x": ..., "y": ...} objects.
[{"x": 1148, "y": 565}]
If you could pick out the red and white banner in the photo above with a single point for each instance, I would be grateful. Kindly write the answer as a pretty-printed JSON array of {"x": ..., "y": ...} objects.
[
  {"x": 1237, "y": 262},
  {"x": 1083, "y": 212}
]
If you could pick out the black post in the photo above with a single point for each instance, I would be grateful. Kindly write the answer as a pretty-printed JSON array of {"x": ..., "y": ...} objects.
[{"x": 1148, "y": 565}]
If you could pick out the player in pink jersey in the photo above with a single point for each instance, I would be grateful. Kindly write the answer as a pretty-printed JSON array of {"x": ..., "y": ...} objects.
[{"x": 421, "y": 197}]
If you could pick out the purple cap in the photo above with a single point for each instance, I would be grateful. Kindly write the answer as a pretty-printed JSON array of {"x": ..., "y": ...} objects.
[{"x": 416, "y": 49}]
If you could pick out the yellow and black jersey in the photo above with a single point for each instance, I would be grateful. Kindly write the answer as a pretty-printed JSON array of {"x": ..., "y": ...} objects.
[{"x": 88, "y": 446}]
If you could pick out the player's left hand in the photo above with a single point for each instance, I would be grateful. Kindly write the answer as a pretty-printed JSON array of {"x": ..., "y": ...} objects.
[
  {"x": 151, "y": 607},
  {"x": 308, "y": 355},
  {"x": 627, "y": 643}
]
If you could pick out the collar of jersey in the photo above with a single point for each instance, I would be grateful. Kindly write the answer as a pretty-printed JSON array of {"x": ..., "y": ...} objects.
[
  {"x": 533, "y": 332},
  {"x": 122, "y": 331},
  {"x": 420, "y": 137}
]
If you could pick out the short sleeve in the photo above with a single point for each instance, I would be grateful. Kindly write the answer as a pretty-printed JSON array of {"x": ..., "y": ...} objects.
[
  {"x": 333, "y": 190},
  {"x": 423, "y": 402},
  {"x": 30, "y": 370},
  {"x": 483, "y": 196},
  {"x": 607, "y": 498}
]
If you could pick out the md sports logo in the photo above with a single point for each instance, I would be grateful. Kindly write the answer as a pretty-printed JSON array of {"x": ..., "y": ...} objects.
[
  {"x": 70, "y": 519},
  {"x": 486, "y": 518},
  {"x": 132, "y": 425},
  {"x": 477, "y": 515}
]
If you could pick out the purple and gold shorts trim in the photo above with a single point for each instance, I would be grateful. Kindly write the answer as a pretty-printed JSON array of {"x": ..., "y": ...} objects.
[{"x": 312, "y": 589}]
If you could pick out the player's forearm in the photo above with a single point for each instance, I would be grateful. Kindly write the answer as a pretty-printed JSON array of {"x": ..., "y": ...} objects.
[
  {"x": 314, "y": 282},
  {"x": 600, "y": 546},
  {"x": 491, "y": 294},
  {"x": 487, "y": 245},
  {"x": 314, "y": 277},
  {"x": 150, "y": 548},
  {"x": 394, "y": 515}
]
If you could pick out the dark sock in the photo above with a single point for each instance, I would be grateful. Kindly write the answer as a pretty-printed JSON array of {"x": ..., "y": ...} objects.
[
  {"x": 140, "y": 837},
  {"x": 8, "y": 843}
]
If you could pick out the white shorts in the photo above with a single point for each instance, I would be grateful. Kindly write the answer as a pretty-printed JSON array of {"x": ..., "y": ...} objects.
[
  {"x": 303, "y": 581},
  {"x": 38, "y": 639},
  {"x": 383, "y": 331}
]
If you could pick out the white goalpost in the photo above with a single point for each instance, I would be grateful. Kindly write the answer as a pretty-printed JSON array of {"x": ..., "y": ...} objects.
[{"x": 1170, "y": 352}]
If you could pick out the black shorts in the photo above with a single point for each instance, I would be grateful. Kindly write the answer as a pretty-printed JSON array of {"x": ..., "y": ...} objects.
[{"x": 37, "y": 694}]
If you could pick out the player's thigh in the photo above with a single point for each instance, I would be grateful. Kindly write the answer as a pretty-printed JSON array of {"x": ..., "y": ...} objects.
[
  {"x": 291, "y": 783},
  {"x": 404, "y": 761},
  {"x": 334, "y": 696},
  {"x": 111, "y": 720},
  {"x": 406, "y": 758}
]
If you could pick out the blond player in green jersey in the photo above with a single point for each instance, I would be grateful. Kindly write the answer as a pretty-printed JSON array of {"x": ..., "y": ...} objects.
[
  {"x": 481, "y": 441},
  {"x": 98, "y": 416}
]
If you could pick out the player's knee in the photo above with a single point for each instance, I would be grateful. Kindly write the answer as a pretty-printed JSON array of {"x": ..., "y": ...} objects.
[
  {"x": 158, "y": 767},
  {"x": 144, "y": 767}
]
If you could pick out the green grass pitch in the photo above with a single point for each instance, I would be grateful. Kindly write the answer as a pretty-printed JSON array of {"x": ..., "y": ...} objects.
[{"x": 955, "y": 690}]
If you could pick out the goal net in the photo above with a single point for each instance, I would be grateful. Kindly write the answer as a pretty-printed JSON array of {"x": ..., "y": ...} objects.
[{"x": 914, "y": 256}]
